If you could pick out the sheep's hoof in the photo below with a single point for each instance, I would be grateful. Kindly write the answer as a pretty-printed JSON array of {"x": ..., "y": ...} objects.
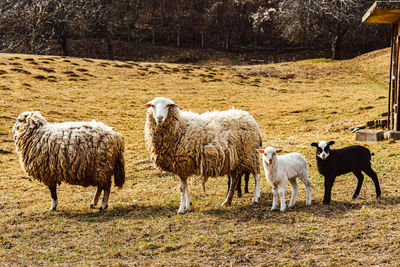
[
  {"x": 189, "y": 209},
  {"x": 282, "y": 210},
  {"x": 274, "y": 208},
  {"x": 254, "y": 200},
  {"x": 379, "y": 199},
  {"x": 92, "y": 206},
  {"x": 53, "y": 209},
  {"x": 181, "y": 211},
  {"x": 225, "y": 204},
  {"x": 101, "y": 209}
]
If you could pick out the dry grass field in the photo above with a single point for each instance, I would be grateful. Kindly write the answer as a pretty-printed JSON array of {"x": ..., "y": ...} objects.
[{"x": 294, "y": 103}]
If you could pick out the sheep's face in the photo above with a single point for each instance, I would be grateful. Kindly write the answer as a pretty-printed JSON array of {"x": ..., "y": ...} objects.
[
  {"x": 28, "y": 120},
  {"x": 323, "y": 148},
  {"x": 269, "y": 154},
  {"x": 160, "y": 107}
]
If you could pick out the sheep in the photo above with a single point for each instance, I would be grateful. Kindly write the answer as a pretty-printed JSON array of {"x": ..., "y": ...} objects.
[
  {"x": 239, "y": 187},
  {"x": 334, "y": 162},
  {"x": 210, "y": 144},
  {"x": 78, "y": 153},
  {"x": 279, "y": 169}
]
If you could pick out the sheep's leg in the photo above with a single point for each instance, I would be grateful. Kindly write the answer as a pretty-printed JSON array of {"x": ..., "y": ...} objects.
[
  {"x": 370, "y": 172},
  {"x": 246, "y": 182},
  {"x": 204, "y": 186},
  {"x": 328, "y": 189},
  {"x": 295, "y": 190},
  {"x": 239, "y": 187},
  {"x": 104, "y": 203},
  {"x": 54, "y": 201},
  {"x": 360, "y": 179},
  {"x": 96, "y": 198},
  {"x": 232, "y": 189},
  {"x": 257, "y": 188},
  {"x": 308, "y": 184},
  {"x": 309, "y": 192},
  {"x": 229, "y": 185},
  {"x": 188, "y": 201},
  {"x": 281, "y": 191},
  {"x": 274, "y": 196},
  {"x": 183, "y": 186}
]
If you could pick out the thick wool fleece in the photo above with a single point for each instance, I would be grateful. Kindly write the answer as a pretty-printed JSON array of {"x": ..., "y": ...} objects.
[
  {"x": 78, "y": 153},
  {"x": 209, "y": 144}
]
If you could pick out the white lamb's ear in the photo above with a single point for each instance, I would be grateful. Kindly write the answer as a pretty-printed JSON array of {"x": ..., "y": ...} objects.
[
  {"x": 261, "y": 151},
  {"x": 147, "y": 105},
  {"x": 279, "y": 150}
]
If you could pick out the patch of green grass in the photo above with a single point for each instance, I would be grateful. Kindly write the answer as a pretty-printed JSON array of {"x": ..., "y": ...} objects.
[{"x": 318, "y": 60}]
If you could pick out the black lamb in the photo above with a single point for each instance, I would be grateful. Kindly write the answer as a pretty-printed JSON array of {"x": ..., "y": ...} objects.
[{"x": 334, "y": 162}]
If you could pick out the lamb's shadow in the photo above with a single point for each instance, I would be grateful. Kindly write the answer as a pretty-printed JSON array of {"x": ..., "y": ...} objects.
[
  {"x": 262, "y": 213},
  {"x": 119, "y": 211}
]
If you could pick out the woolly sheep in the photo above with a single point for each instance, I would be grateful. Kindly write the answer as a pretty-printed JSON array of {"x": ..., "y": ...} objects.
[
  {"x": 334, "y": 162},
  {"x": 78, "y": 153},
  {"x": 279, "y": 169},
  {"x": 239, "y": 186},
  {"x": 211, "y": 144}
]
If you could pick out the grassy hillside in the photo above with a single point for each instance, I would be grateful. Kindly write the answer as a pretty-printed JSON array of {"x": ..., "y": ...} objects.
[{"x": 294, "y": 103}]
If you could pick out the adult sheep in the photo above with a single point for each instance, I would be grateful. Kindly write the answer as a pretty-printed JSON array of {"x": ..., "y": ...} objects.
[
  {"x": 78, "y": 153},
  {"x": 210, "y": 144}
]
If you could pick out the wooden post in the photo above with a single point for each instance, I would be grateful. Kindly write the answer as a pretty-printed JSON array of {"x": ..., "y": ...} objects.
[
  {"x": 391, "y": 79},
  {"x": 397, "y": 87}
]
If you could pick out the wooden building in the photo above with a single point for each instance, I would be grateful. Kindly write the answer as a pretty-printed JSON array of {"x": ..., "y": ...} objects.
[{"x": 388, "y": 12}]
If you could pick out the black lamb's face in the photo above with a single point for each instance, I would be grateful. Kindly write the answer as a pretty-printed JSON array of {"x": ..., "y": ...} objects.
[{"x": 323, "y": 148}]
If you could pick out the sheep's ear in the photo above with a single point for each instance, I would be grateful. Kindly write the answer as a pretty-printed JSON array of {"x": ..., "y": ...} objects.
[
  {"x": 331, "y": 143},
  {"x": 279, "y": 150},
  {"x": 172, "y": 105},
  {"x": 147, "y": 105},
  {"x": 261, "y": 151},
  {"x": 314, "y": 144},
  {"x": 31, "y": 115}
]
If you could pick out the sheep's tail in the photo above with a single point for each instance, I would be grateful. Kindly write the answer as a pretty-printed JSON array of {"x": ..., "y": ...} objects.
[{"x": 119, "y": 171}]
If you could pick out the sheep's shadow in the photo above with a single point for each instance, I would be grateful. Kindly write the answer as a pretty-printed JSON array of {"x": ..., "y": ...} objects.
[
  {"x": 256, "y": 213},
  {"x": 262, "y": 213},
  {"x": 119, "y": 211}
]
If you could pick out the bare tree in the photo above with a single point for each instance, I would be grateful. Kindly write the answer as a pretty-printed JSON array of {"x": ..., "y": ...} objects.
[
  {"x": 311, "y": 20},
  {"x": 48, "y": 25}
]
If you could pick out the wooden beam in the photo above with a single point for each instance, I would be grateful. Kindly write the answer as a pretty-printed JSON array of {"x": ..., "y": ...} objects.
[{"x": 383, "y": 12}]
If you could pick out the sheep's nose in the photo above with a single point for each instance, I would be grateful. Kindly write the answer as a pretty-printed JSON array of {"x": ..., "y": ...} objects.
[
  {"x": 270, "y": 161},
  {"x": 160, "y": 119}
]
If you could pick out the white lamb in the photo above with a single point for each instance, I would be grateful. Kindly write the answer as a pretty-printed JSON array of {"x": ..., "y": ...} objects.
[{"x": 279, "y": 169}]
